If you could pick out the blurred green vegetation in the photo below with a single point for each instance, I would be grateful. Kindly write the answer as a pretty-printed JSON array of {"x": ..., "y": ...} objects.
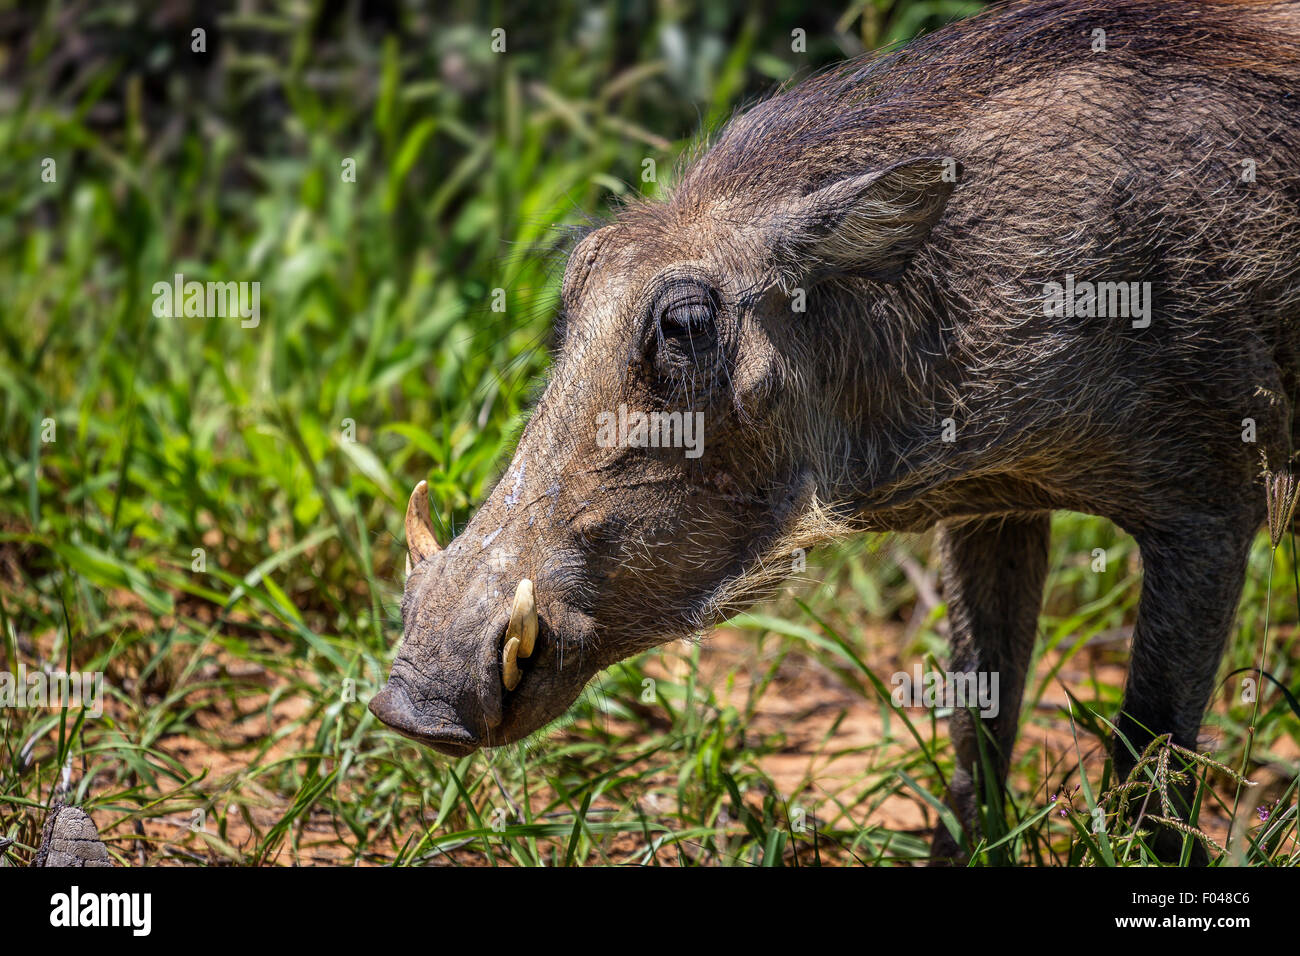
[{"x": 175, "y": 434}]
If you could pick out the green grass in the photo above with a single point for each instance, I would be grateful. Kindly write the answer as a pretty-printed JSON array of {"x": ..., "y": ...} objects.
[{"x": 235, "y": 729}]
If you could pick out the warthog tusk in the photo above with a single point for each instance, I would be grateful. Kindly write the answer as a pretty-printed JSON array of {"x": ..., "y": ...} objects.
[
  {"x": 521, "y": 634},
  {"x": 420, "y": 542},
  {"x": 509, "y": 665},
  {"x": 523, "y": 618}
]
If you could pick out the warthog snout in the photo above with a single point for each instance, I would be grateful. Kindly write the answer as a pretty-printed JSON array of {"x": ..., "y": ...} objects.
[
  {"x": 462, "y": 678},
  {"x": 449, "y": 704},
  {"x": 457, "y": 713}
]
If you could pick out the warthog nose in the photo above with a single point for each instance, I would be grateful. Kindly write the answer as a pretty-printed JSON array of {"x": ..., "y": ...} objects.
[{"x": 393, "y": 706}]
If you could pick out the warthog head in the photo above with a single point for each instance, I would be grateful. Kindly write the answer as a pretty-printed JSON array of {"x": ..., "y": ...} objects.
[{"x": 690, "y": 429}]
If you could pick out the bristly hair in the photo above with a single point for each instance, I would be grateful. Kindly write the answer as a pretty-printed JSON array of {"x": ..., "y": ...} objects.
[{"x": 851, "y": 115}]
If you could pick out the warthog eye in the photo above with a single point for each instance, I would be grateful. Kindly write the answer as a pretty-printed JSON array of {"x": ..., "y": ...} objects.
[{"x": 687, "y": 313}]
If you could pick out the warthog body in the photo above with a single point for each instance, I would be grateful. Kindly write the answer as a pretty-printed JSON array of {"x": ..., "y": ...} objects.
[{"x": 875, "y": 288}]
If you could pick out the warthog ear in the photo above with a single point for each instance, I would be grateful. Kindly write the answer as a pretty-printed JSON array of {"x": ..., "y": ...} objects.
[{"x": 869, "y": 225}]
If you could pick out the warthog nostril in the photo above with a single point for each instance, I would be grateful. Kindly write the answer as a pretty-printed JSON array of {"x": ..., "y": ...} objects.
[
  {"x": 521, "y": 634},
  {"x": 394, "y": 707}
]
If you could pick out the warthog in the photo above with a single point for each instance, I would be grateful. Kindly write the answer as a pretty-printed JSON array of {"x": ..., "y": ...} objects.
[{"x": 880, "y": 290}]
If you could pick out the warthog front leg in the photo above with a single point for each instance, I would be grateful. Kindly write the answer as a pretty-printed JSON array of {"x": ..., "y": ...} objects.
[
  {"x": 993, "y": 574},
  {"x": 1191, "y": 582}
]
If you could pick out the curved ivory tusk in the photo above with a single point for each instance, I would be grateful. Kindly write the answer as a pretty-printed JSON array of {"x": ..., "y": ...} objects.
[
  {"x": 523, "y": 618},
  {"x": 509, "y": 664},
  {"x": 420, "y": 542}
]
